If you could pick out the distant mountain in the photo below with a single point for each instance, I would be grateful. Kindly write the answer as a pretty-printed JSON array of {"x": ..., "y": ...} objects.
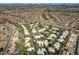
[{"x": 39, "y": 4}]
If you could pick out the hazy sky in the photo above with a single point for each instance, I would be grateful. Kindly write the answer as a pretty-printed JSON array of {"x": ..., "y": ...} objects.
[{"x": 39, "y": 1}]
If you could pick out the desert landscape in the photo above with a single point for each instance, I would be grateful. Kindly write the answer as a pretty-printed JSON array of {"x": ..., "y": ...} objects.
[{"x": 39, "y": 30}]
